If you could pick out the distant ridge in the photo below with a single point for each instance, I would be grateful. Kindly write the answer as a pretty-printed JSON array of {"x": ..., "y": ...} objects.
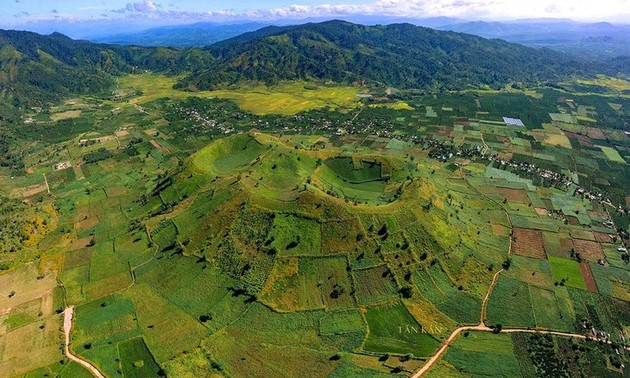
[{"x": 400, "y": 55}]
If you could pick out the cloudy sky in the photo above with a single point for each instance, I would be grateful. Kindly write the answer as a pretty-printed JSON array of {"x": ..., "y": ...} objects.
[{"x": 18, "y": 12}]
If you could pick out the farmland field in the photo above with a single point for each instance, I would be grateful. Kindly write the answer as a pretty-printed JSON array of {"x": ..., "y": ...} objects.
[
  {"x": 287, "y": 98},
  {"x": 511, "y": 304},
  {"x": 529, "y": 243},
  {"x": 136, "y": 359},
  {"x": 314, "y": 228},
  {"x": 393, "y": 330},
  {"x": 567, "y": 271},
  {"x": 484, "y": 354}
]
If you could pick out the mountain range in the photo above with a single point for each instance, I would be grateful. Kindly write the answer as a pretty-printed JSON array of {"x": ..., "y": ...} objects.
[
  {"x": 35, "y": 68},
  {"x": 587, "y": 41}
]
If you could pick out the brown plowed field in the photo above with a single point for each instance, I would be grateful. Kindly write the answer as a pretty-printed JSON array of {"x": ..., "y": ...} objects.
[
  {"x": 514, "y": 195},
  {"x": 588, "y": 250},
  {"x": 603, "y": 237},
  {"x": 587, "y": 274},
  {"x": 529, "y": 243}
]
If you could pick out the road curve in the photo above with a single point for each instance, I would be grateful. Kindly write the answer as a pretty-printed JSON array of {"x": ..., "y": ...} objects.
[
  {"x": 482, "y": 327},
  {"x": 445, "y": 345},
  {"x": 67, "y": 327}
]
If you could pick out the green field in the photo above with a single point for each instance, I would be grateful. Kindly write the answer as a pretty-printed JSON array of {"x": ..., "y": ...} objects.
[
  {"x": 255, "y": 231},
  {"x": 347, "y": 170},
  {"x": 392, "y": 330},
  {"x": 136, "y": 359},
  {"x": 567, "y": 271},
  {"x": 612, "y": 154},
  {"x": 222, "y": 158},
  {"x": 484, "y": 354},
  {"x": 511, "y": 304}
]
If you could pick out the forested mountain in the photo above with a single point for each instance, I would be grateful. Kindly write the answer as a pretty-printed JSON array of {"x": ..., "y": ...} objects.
[
  {"x": 37, "y": 69},
  {"x": 401, "y": 55}
]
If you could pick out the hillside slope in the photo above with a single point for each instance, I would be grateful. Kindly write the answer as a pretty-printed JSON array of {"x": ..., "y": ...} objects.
[
  {"x": 37, "y": 69},
  {"x": 400, "y": 55}
]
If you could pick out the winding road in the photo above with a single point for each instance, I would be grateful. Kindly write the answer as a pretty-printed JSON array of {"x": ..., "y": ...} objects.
[
  {"x": 67, "y": 327},
  {"x": 482, "y": 327},
  {"x": 484, "y": 306}
]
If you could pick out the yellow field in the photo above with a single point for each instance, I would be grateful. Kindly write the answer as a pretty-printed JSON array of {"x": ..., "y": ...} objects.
[
  {"x": 558, "y": 140},
  {"x": 286, "y": 98},
  {"x": 613, "y": 83},
  {"x": 29, "y": 328},
  {"x": 70, "y": 114},
  {"x": 400, "y": 105}
]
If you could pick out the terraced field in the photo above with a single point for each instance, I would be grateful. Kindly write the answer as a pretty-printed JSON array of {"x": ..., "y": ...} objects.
[{"x": 197, "y": 238}]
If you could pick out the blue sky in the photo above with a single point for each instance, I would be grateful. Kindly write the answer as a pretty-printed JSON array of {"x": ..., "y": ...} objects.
[{"x": 19, "y": 12}]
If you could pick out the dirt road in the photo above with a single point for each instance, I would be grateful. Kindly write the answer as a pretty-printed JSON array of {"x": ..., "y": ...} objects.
[{"x": 67, "y": 327}]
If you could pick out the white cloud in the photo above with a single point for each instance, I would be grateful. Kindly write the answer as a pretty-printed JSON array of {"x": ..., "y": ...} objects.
[
  {"x": 505, "y": 9},
  {"x": 471, "y": 9},
  {"x": 144, "y": 6},
  {"x": 468, "y": 9}
]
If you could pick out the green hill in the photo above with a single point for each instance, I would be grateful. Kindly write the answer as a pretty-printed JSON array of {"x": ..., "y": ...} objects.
[
  {"x": 37, "y": 69},
  {"x": 400, "y": 55}
]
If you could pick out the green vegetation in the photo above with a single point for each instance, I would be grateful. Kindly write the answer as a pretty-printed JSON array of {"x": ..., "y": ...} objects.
[
  {"x": 136, "y": 359},
  {"x": 259, "y": 228},
  {"x": 484, "y": 354},
  {"x": 393, "y": 330},
  {"x": 409, "y": 67},
  {"x": 566, "y": 272}
]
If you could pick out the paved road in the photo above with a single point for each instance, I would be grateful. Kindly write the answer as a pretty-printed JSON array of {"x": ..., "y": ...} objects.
[{"x": 67, "y": 327}]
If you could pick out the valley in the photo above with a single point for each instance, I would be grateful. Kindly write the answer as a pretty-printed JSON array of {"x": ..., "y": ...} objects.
[
  {"x": 169, "y": 225},
  {"x": 153, "y": 241}
]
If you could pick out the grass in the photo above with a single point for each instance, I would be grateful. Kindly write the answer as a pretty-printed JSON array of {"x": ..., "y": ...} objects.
[
  {"x": 612, "y": 154},
  {"x": 228, "y": 156},
  {"x": 286, "y": 98},
  {"x": 223, "y": 299},
  {"x": 393, "y": 330},
  {"x": 547, "y": 311},
  {"x": 568, "y": 271},
  {"x": 399, "y": 105},
  {"x": 106, "y": 319},
  {"x": 370, "y": 191},
  {"x": 510, "y": 304},
  {"x": 375, "y": 285},
  {"x": 296, "y": 236},
  {"x": 617, "y": 84},
  {"x": 70, "y": 114},
  {"x": 436, "y": 287},
  {"x": 167, "y": 329},
  {"x": 341, "y": 322},
  {"x": 370, "y": 181},
  {"x": 136, "y": 360},
  {"x": 311, "y": 286},
  {"x": 484, "y": 354},
  {"x": 347, "y": 171}
]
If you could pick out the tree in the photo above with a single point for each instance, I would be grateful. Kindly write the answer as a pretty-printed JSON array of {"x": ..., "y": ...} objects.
[
  {"x": 406, "y": 357},
  {"x": 335, "y": 357},
  {"x": 406, "y": 292},
  {"x": 338, "y": 290}
]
